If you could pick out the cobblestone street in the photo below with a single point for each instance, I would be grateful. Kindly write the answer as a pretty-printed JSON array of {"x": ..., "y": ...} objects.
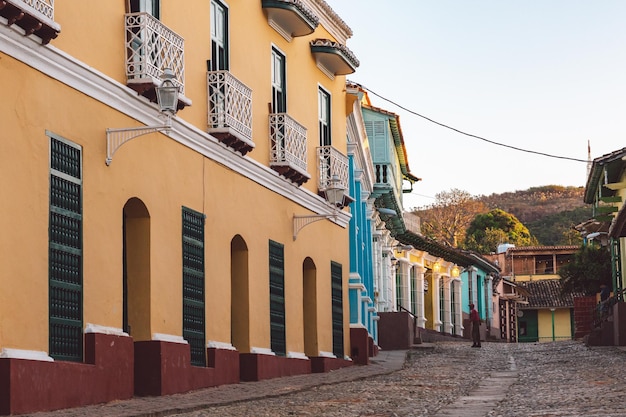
[{"x": 447, "y": 379}]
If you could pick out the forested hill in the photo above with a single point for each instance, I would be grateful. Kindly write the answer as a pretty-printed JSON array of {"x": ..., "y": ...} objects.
[{"x": 549, "y": 212}]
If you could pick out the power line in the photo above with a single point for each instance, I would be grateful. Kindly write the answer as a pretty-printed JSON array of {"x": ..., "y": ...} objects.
[{"x": 469, "y": 134}]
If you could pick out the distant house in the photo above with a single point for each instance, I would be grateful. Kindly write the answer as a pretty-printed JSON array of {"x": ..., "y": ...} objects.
[
  {"x": 548, "y": 316},
  {"x": 530, "y": 275}
]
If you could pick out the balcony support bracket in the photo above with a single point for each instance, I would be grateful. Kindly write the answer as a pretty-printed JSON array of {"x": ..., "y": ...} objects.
[
  {"x": 118, "y": 137},
  {"x": 299, "y": 222}
]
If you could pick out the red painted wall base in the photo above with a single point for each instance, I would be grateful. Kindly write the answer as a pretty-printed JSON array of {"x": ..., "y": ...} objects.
[
  {"x": 396, "y": 330},
  {"x": 163, "y": 368},
  {"x": 360, "y": 345},
  {"x": 107, "y": 374},
  {"x": 256, "y": 367},
  {"x": 321, "y": 364},
  {"x": 373, "y": 348}
]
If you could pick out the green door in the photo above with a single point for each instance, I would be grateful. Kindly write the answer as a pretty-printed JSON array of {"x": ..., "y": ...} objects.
[{"x": 528, "y": 327}]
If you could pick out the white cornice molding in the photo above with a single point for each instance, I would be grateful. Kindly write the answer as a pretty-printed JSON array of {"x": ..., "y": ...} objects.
[
  {"x": 330, "y": 20},
  {"x": 64, "y": 68}
]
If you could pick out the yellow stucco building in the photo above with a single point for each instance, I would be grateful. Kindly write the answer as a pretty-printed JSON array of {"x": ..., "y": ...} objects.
[
  {"x": 546, "y": 315},
  {"x": 145, "y": 252}
]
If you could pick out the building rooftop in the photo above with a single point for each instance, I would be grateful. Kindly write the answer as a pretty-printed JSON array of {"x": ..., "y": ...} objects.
[{"x": 547, "y": 294}]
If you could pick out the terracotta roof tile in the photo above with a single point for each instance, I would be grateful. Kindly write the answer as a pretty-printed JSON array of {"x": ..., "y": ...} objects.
[{"x": 547, "y": 294}]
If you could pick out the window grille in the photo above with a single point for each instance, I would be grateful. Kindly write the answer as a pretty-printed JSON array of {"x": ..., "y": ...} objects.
[
  {"x": 337, "y": 305},
  {"x": 277, "y": 298},
  {"x": 65, "y": 252},
  {"x": 193, "y": 285}
]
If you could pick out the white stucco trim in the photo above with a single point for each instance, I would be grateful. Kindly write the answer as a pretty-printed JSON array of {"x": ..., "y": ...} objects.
[
  {"x": 32, "y": 355},
  {"x": 96, "y": 328},
  {"x": 325, "y": 354},
  {"x": 162, "y": 337},
  {"x": 213, "y": 344},
  {"x": 262, "y": 351},
  {"x": 297, "y": 355}
]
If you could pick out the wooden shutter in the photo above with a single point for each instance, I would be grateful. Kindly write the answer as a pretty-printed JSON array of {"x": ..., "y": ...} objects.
[
  {"x": 277, "y": 298},
  {"x": 193, "y": 285},
  {"x": 65, "y": 250}
]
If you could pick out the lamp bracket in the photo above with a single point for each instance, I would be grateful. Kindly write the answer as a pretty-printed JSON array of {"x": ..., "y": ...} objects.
[
  {"x": 299, "y": 222},
  {"x": 118, "y": 137}
]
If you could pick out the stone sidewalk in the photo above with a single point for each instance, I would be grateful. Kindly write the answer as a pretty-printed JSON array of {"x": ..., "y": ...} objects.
[{"x": 554, "y": 379}]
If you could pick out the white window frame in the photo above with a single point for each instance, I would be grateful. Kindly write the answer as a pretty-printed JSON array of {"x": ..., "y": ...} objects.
[
  {"x": 279, "y": 80},
  {"x": 219, "y": 35},
  {"x": 324, "y": 116}
]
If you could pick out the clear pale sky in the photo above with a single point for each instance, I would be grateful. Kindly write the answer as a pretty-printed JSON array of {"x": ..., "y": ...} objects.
[{"x": 540, "y": 75}]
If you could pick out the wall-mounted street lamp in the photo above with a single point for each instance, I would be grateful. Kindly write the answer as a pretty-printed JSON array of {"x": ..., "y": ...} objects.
[
  {"x": 334, "y": 195},
  {"x": 167, "y": 99}
]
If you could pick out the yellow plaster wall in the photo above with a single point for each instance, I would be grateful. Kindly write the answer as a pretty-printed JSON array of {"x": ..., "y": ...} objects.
[
  {"x": 165, "y": 176},
  {"x": 250, "y": 63},
  {"x": 24, "y": 267},
  {"x": 533, "y": 277},
  {"x": 562, "y": 325}
]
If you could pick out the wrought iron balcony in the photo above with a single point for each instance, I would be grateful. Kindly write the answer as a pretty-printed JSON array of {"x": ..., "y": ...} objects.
[
  {"x": 290, "y": 18},
  {"x": 150, "y": 48},
  {"x": 288, "y": 148},
  {"x": 332, "y": 162},
  {"x": 230, "y": 111},
  {"x": 34, "y": 16},
  {"x": 334, "y": 57}
]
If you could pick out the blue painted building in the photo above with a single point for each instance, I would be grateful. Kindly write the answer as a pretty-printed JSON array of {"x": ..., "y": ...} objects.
[{"x": 478, "y": 280}]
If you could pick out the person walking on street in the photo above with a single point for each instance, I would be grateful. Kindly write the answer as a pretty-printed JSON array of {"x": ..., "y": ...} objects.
[{"x": 475, "y": 320}]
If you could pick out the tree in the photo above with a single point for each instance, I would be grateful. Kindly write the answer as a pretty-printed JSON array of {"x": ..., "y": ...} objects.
[
  {"x": 590, "y": 268},
  {"x": 488, "y": 230},
  {"x": 447, "y": 219}
]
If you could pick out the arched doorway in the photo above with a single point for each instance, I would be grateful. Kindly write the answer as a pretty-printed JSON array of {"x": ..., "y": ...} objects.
[
  {"x": 309, "y": 306},
  {"x": 239, "y": 295},
  {"x": 136, "y": 270}
]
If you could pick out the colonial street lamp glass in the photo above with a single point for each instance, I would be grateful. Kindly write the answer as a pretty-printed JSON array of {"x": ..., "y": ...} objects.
[
  {"x": 167, "y": 93},
  {"x": 334, "y": 192}
]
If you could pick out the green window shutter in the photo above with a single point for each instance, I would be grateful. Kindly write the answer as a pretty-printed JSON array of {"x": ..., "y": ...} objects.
[
  {"x": 398, "y": 288},
  {"x": 337, "y": 305},
  {"x": 277, "y": 298},
  {"x": 65, "y": 252},
  {"x": 193, "y": 285},
  {"x": 414, "y": 292},
  {"x": 442, "y": 304}
]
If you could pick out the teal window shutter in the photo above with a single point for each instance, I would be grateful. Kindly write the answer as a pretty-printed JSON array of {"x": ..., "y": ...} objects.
[
  {"x": 337, "y": 306},
  {"x": 277, "y": 298},
  {"x": 193, "y": 285},
  {"x": 65, "y": 252}
]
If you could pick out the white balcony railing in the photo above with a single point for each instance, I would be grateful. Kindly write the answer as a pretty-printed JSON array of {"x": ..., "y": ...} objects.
[
  {"x": 150, "y": 48},
  {"x": 331, "y": 162},
  {"x": 287, "y": 142},
  {"x": 43, "y": 7},
  {"x": 230, "y": 105}
]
